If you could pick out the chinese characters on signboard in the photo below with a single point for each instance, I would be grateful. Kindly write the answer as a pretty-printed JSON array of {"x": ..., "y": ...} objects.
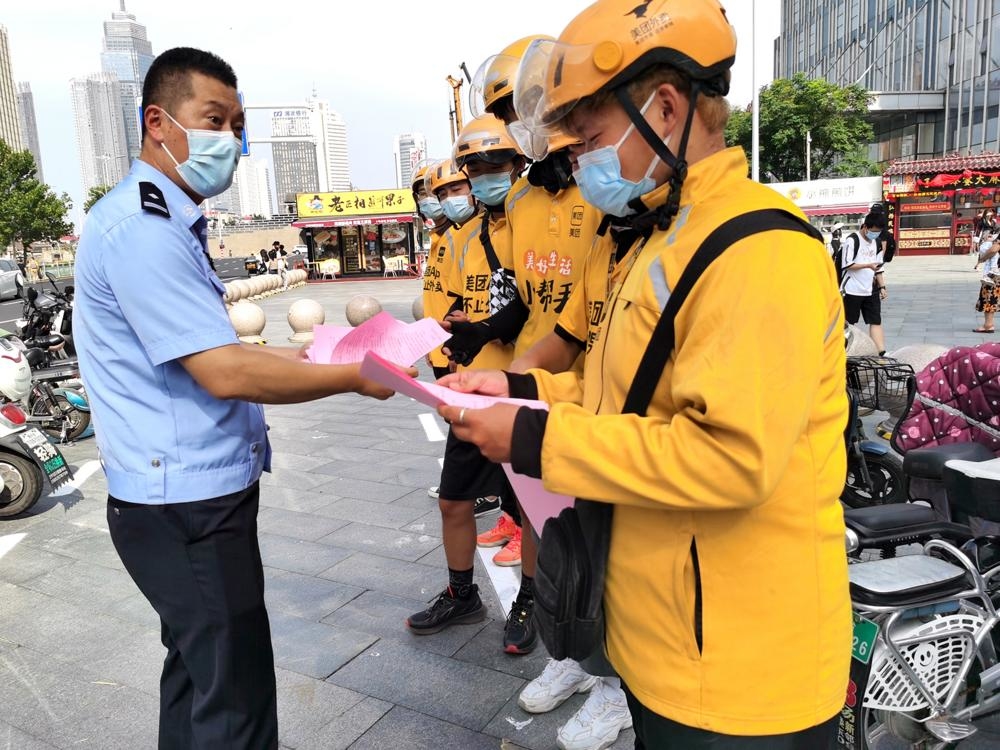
[{"x": 355, "y": 203}]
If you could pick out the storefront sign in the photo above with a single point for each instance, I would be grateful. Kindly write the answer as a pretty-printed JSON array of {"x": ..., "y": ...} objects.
[
  {"x": 913, "y": 208},
  {"x": 925, "y": 234},
  {"x": 917, "y": 244},
  {"x": 355, "y": 203},
  {"x": 850, "y": 191}
]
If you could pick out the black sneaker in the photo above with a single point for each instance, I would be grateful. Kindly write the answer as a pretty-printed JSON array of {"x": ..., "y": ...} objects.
[
  {"x": 519, "y": 635},
  {"x": 484, "y": 506},
  {"x": 447, "y": 610}
]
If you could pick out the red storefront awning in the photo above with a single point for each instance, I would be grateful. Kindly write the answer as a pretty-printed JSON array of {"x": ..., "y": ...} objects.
[
  {"x": 860, "y": 208},
  {"x": 353, "y": 221}
]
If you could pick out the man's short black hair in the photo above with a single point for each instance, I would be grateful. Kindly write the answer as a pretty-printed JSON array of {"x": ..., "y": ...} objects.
[{"x": 168, "y": 82}]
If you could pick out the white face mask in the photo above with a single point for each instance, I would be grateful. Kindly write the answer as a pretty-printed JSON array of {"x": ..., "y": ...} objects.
[{"x": 212, "y": 159}]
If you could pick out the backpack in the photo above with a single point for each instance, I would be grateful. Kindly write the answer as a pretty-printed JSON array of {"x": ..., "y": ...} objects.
[
  {"x": 838, "y": 257},
  {"x": 889, "y": 250}
]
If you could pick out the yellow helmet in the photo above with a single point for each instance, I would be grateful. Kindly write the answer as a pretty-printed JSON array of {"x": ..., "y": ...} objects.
[
  {"x": 484, "y": 139},
  {"x": 494, "y": 80},
  {"x": 418, "y": 178},
  {"x": 614, "y": 41},
  {"x": 441, "y": 174}
]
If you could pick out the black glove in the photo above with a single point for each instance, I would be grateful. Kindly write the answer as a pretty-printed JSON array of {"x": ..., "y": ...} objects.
[{"x": 467, "y": 340}]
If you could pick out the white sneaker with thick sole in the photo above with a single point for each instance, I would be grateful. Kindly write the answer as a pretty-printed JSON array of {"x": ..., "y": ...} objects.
[
  {"x": 557, "y": 682},
  {"x": 433, "y": 492},
  {"x": 599, "y": 721}
]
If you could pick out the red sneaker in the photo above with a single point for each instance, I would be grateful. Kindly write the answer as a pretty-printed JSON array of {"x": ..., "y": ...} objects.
[{"x": 500, "y": 534}]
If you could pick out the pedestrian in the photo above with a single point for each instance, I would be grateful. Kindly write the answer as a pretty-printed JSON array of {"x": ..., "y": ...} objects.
[
  {"x": 977, "y": 229},
  {"x": 989, "y": 296},
  {"x": 863, "y": 284},
  {"x": 176, "y": 400},
  {"x": 835, "y": 238},
  {"x": 717, "y": 467}
]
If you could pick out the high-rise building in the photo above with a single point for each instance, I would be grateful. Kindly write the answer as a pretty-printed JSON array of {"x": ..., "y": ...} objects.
[
  {"x": 253, "y": 188},
  {"x": 29, "y": 125},
  {"x": 309, "y": 150},
  {"x": 409, "y": 149},
  {"x": 100, "y": 131},
  {"x": 295, "y": 164},
  {"x": 128, "y": 54},
  {"x": 933, "y": 66},
  {"x": 10, "y": 130}
]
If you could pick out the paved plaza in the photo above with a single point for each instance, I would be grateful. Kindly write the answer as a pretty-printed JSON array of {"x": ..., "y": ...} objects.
[{"x": 351, "y": 545}]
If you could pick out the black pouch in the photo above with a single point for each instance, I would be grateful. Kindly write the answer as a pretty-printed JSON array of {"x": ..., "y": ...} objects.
[{"x": 574, "y": 546}]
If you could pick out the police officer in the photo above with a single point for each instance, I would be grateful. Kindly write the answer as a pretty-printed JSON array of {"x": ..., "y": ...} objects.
[{"x": 175, "y": 399}]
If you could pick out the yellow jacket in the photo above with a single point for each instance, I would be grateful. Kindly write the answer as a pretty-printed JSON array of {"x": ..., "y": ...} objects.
[
  {"x": 436, "y": 299},
  {"x": 728, "y": 489},
  {"x": 469, "y": 279},
  {"x": 550, "y": 237}
]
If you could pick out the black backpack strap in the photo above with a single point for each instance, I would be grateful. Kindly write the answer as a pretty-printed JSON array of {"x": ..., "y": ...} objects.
[
  {"x": 484, "y": 238},
  {"x": 661, "y": 342}
]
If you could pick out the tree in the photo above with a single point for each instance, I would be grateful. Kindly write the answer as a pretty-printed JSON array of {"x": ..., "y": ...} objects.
[
  {"x": 29, "y": 210},
  {"x": 834, "y": 116},
  {"x": 94, "y": 195}
]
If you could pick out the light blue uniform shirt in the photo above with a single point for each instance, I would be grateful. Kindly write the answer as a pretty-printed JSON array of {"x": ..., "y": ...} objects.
[{"x": 146, "y": 296}]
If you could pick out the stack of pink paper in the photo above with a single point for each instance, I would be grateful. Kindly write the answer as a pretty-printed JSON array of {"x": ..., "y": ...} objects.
[{"x": 393, "y": 340}]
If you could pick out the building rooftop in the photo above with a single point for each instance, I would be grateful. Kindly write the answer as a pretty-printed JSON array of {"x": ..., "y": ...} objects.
[{"x": 951, "y": 163}]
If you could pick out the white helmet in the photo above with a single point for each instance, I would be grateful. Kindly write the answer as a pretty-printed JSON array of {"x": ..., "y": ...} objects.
[{"x": 15, "y": 373}]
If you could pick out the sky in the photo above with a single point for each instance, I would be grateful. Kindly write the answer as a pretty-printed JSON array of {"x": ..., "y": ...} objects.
[{"x": 381, "y": 64}]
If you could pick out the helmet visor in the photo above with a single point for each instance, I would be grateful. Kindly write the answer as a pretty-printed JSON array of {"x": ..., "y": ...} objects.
[{"x": 550, "y": 81}]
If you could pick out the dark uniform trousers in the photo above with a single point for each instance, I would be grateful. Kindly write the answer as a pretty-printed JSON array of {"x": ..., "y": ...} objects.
[
  {"x": 199, "y": 565},
  {"x": 655, "y": 732}
]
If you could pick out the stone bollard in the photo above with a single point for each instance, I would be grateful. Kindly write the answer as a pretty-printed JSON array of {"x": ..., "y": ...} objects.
[
  {"x": 417, "y": 309},
  {"x": 859, "y": 343},
  {"x": 918, "y": 356},
  {"x": 302, "y": 316},
  {"x": 362, "y": 307},
  {"x": 249, "y": 321}
]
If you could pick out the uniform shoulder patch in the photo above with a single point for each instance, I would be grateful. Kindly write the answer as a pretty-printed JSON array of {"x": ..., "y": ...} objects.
[{"x": 152, "y": 200}]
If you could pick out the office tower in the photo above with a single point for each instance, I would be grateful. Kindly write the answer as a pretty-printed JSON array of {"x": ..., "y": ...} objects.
[
  {"x": 10, "y": 130},
  {"x": 29, "y": 124},
  {"x": 128, "y": 54},
  {"x": 100, "y": 131},
  {"x": 409, "y": 149}
]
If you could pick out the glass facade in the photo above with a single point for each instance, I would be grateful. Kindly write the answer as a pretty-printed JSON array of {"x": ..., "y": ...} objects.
[
  {"x": 934, "y": 64},
  {"x": 127, "y": 53}
]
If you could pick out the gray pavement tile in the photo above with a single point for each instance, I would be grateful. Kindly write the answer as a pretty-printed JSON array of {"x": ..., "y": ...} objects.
[
  {"x": 55, "y": 534},
  {"x": 306, "y": 705},
  {"x": 385, "y": 542},
  {"x": 376, "y": 492},
  {"x": 402, "y": 729},
  {"x": 312, "y": 648},
  {"x": 135, "y": 662},
  {"x": 384, "y": 615},
  {"x": 12, "y": 738},
  {"x": 298, "y": 556},
  {"x": 290, "y": 479},
  {"x": 118, "y": 719},
  {"x": 428, "y": 523},
  {"x": 388, "y": 575},
  {"x": 342, "y": 732},
  {"x": 22, "y": 523},
  {"x": 338, "y": 445},
  {"x": 306, "y": 596},
  {"x": 137, "y": 610},
  {"x": 89, "y": 586},
  {"x": 485, "y": 650},
  {"x": 389, "y": 515},
  {"x": 422, "y": 476},
  {"x": 95, "y": 548},
  {"x": 419, "y": 498},
  {"x": 306, "y": 526},
  {"x": 423, "y": 447},
  {"x": 303, "y": 501},
  {"x": 25, "y": 562},
  {"x": 284, "y": 459},
  {"x": 429, "y": 683}
]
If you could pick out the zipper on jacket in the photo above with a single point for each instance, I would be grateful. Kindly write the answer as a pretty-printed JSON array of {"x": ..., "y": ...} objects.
[{"x": 697, "y": 594}]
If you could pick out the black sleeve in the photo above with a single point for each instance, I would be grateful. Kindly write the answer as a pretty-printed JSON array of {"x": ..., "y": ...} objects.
[
  {"x": 522, "y": 385},
  {"x": 526, "y": 441},
  {"x": 456, "y": 306},
  {"x": 569, "y": 337},
  {"x": 508, "y": 322}
]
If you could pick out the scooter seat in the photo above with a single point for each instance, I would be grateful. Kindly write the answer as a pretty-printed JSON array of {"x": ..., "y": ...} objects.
[
  {"x": 928, "y": 463},
  {"x": 900, "y": 523},
  {"x": 907, "y": 581}
]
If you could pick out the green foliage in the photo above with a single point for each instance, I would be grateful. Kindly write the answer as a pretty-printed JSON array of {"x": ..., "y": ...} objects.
[
  {"x": 835, "y": 116},
  {"x": 94, "y": 195},
  {"x": 29, "y": 210}
]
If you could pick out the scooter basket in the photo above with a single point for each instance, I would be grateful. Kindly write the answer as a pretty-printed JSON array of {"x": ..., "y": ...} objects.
[{"x": 880, "y": 383}]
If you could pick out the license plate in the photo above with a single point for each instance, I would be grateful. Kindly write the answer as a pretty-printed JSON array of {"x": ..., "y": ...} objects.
[
  {"x": 48, "y": 456},
  {"x": 865, "y": 633}
]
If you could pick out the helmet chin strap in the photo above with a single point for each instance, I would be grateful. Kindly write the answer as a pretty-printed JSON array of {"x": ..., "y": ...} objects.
[{"x": 661, "y": 217}]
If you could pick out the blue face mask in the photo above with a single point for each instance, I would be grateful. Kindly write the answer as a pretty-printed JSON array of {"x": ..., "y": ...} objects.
[
  {"x": 872, "y": 236},
  {"x": 599, "y": 175},
  {"x": 212, "y": 159},
  {"x": 430, "y": 207},
  {"x": 458, "y": 208},
  {"x": 491, "y": 189}
]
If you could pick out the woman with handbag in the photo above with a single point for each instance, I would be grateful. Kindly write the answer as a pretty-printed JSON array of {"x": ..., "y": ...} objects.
[{"x": 724, "y": 585}]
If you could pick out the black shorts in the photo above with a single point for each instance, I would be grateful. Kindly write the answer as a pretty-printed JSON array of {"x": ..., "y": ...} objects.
[
  {"x": 869, "y": 307},
  {"x": 467, "y": 473}
]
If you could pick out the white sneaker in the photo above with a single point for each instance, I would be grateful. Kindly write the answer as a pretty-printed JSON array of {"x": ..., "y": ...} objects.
[
  {"x": 598, "y": 722},
  {"x": 433, "y": 492},
  {"x": 557, "y": 682}
]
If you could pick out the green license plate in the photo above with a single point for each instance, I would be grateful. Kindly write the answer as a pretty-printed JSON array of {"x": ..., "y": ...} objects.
[{"x": 865, "y": 633}]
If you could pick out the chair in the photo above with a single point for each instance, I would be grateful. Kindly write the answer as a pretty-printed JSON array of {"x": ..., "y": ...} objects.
[{"x": 388, "y": 267}]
